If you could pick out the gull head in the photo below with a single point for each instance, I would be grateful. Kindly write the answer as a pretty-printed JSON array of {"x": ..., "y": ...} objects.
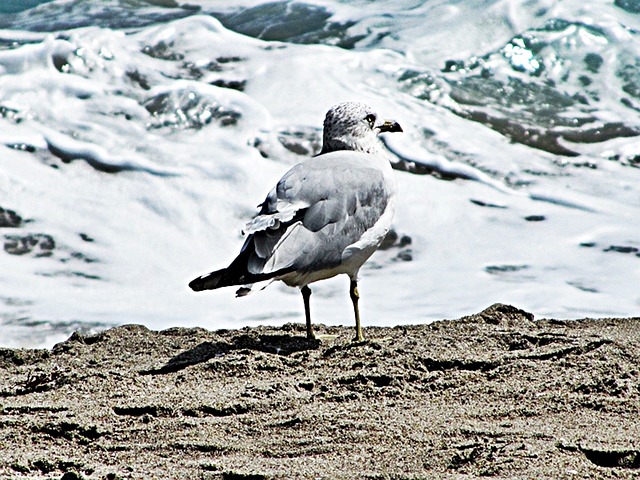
[{"x": 354, "y": 126}]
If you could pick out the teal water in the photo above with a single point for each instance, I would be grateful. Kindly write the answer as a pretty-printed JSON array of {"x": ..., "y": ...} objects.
[{"x": 15, "y": 6}]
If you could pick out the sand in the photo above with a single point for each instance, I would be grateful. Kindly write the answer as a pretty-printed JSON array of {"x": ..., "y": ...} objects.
[{"x": 497, "y": 395}]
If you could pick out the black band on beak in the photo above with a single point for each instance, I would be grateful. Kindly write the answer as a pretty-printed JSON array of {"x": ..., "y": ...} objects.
[{"x": 390, "y": 126}]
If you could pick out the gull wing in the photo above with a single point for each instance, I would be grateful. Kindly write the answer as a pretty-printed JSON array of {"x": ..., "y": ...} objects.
[{"x": 318, "y": 209}]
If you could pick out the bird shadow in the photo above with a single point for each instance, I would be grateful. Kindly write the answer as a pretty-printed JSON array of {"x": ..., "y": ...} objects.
[{"x": 274, "y": 344}]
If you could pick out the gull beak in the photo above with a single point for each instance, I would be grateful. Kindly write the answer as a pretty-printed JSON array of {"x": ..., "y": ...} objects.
[{"x": 390, "y": 126}]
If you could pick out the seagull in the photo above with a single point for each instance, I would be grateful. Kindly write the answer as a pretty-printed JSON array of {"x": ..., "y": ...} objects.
[{"x": 325, "y": 217}]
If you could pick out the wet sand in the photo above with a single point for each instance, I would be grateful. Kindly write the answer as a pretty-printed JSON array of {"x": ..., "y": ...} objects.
[{"x": 497, "y": 394}]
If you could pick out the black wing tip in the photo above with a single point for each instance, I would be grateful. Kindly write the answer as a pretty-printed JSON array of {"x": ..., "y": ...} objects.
[
  {"x": 197, "y": 284},
  {"x": 207, "y": 282},
  {"x": 228, "y": 277},
  {"x": 243, "y": 291}
]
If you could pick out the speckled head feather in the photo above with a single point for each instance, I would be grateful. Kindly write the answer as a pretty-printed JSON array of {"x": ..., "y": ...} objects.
[{"x": 354, "y": 126}]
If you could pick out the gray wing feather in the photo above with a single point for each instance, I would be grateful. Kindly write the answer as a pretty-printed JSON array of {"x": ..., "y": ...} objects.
[{"x": 316, "y": 211}]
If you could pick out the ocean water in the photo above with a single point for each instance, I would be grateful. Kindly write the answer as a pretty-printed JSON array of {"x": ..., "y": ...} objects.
[{"x": 137, "y": 138}]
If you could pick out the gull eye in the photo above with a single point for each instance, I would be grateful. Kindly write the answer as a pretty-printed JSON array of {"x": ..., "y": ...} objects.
[{"x": 371, "y": 119}]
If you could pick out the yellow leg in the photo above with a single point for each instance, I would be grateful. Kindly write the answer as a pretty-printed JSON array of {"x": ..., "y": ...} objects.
[
  {"x": 355, "y": 296},
  {"x": 306, "y": 293}
]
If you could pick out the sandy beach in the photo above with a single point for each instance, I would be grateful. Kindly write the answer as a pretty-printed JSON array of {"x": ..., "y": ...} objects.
[{"x": 498, "y": 394}]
